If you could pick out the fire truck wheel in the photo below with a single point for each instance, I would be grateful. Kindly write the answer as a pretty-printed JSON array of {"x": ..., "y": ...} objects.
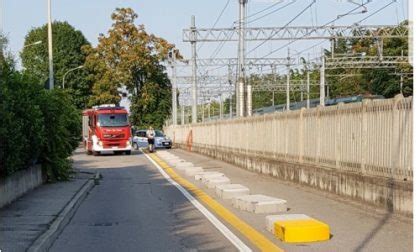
[{"x": 128, "y": 152}]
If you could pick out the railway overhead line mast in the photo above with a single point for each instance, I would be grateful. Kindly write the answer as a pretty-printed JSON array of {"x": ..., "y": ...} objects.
[{"x": 238, "y": 84}]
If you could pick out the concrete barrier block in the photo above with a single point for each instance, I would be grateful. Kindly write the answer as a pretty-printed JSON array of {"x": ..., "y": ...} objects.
[
  {"x": 301, "y": 230},
  {"x": 207, "y": 177},
  {"x": 229, "y": 191},
  {"x": 271, "y": 219},
  {"x": 258, "y": 203},
  {"x": 203, "y": 175},
  {"x": 174, "y": 162},
  {"x": 163, "y": 153},
  {"x": 213, "y": 182},
  {"x": 166, "y": 155},
  {"x": 183, "y": 165},
  {"x": 171, "y": 158},
  {"x": 192, "y": 171}
]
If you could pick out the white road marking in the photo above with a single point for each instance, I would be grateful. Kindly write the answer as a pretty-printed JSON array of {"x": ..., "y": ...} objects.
[{"x": 219, "y": 225}]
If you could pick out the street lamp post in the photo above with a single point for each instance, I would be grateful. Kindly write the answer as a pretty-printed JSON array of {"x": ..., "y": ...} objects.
[
  {"x": 32, "y": 44},
  {"x": 50, "y": 52},
  {"x": 73, "y": 69}
]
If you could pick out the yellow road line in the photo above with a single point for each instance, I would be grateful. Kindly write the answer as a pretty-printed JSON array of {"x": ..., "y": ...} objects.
[{"x": 258, "y": 239}]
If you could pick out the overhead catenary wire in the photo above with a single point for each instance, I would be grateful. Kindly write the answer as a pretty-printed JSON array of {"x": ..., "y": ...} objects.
[
  {"x": 265, "y": 9},
  {"x": 269, "y": 13},
  {"x": 287, "y": 24},
  {"x": 376, "y": 12},
  {"x": 216, "y": 21},
  {"x": 310, "y": 32}
]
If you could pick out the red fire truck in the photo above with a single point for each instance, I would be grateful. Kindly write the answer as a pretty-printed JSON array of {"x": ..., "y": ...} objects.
[{"x": 106, "y": 129}]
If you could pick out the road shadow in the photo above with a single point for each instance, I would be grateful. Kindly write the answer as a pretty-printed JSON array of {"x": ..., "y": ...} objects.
[{"x": 135, "y": 207}]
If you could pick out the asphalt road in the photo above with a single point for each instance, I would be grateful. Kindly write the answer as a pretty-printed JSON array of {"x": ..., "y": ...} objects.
[{"x": 135, "y": 209}]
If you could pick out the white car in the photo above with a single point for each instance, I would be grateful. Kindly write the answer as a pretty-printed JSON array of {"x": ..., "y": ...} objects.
[{"x": 161, "y": 141}]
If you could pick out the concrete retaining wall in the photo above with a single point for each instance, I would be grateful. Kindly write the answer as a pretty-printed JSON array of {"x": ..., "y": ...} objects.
[
  {"x": 19, "y": 183},
  {"x": 381, "y": 192}
]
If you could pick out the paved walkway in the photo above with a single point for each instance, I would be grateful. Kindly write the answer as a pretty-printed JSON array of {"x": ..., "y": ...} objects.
[
  {"x": 354, "y": 227},
  {"x": 30, "y": 216}
]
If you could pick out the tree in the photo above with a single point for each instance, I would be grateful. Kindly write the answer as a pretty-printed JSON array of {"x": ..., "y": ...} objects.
[
  {"x": 67, "y": 51},
  {"x": 384, "y": 82},
  {"x": 128, "y": 57}
]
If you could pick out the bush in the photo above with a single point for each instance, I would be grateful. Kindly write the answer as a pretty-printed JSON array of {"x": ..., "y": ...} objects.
[
  {"x": 37, "y": 126},
  {"x": 62, "y": 133}
]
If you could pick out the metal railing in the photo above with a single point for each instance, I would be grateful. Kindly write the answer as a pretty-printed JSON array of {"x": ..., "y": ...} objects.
[{"x": 373, "y": 137}]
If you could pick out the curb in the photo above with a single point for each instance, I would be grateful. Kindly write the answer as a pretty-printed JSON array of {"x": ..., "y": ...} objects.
[{"x": 45, "y": 240}]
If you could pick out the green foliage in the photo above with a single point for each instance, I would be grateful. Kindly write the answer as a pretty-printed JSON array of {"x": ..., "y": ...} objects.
[
  {"x": 21, "y": 127},
  {"x": 62, "y": 132},
  {"x": 67, "y": 52},
  {"x": 128, "y": 57},
  {"x": 347, "y": 81},
  {"x": 384, "y": 82},
  {"x": 153, "y": 105},
  {"x": 37, "y": 125}
]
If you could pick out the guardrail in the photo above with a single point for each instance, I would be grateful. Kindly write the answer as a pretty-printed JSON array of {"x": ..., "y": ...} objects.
[{"x": 373, "y": 137}]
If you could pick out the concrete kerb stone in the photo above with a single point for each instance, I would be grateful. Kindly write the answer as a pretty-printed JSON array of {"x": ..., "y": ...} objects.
[
  {"x": 213, "y": 182},
  {"x": 258, "y": 203},
  {"x": 300, "y": 228},
  {"x": 174, "y": 162},
  {"x": 183, "y": 165},
  {"x": 45, "y": 240},
  {"x": 192, "y": 171},
  {"x": 168, "y": 156},
  {"x": 271, "y": 219},
  {"x": 171, "y": 158},
  {"x": 202, "y": 175},
  {"x": 229, "y": 191}
]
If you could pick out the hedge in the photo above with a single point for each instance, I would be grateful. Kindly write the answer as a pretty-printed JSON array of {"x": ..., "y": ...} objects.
[{"x": 36, "y": 126}]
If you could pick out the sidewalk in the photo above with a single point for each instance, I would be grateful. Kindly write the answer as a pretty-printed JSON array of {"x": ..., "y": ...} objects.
[
  {"x": 354, "y": 227},
  {"x": 23, "y": 221}
]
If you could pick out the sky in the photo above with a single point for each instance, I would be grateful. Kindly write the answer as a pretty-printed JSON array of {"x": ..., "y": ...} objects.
[{"x": 167, "y": 19}]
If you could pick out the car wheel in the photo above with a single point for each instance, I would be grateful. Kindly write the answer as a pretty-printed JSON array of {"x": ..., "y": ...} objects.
[
  {"x": 169, "y": 147},
  {"x": 135, "y": 146}
]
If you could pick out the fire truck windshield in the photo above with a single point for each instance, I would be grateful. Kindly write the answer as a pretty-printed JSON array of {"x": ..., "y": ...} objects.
[{"x": 112, "y": 120}]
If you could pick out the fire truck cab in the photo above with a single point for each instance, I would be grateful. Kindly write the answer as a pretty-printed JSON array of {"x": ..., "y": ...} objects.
[{"x": 106, "y": 129}]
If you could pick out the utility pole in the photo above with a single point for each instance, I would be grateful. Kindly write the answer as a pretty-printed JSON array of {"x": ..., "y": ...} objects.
[
  {"x": 221, "y": 106},
  {"x": 308, "y": 94},
  {"x": 401, "y": 76},
  {"x": 182, "y": 114},
  {"x": 172, "y": 58},
  {"x": 202, "y": 111},
  {"x": 241, "y": 61},
  {"x": 401, "y": 83},
  {"x": 230, "y": 106},
  {"x": 301, "y": 90},
  {"x": 322, "y": 81},
  {"x": 288, "y": 81},
  {"x": 230, "y": 94},
  {"x": 50, "y": 52},
  {"x": 380, "y": 47},
  {"x": 194, "y": 69},
  {"x": 274, "y": 72}
]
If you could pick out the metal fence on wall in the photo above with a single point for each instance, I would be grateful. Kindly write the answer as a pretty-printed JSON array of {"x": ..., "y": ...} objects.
[{"x": 373, "y": 137}]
